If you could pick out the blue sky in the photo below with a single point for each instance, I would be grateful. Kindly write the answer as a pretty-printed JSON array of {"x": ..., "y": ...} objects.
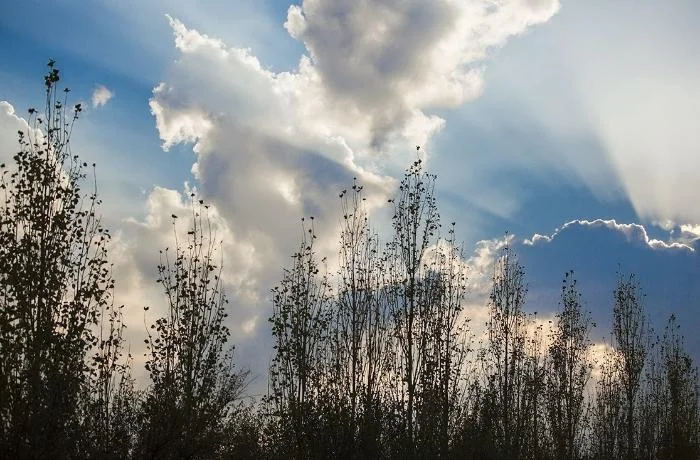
[{"x": 532, "y": 113}]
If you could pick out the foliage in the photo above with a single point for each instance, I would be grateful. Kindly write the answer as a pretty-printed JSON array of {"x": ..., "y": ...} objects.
[
  {"x": 568, "y": 373},
  {"x": 194, "y": 385},
  {"x": 60, "y": 334},
  {"x": 630, "y": 331}
]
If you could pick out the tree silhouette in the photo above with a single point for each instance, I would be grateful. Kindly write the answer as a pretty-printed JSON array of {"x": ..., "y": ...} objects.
[
  {"x": 194, "y": 384},
  {"x": 299, "y": 327},
  {"x": 631, "y": 334},
  {"x": 568, "y": 373},
  {"x": 55, "y": 292},
  {"x": 680, "y": 416},
  {"x": 506, "y": 354}
]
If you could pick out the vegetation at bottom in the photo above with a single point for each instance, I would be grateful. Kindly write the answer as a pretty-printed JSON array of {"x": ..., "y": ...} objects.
[{"x": 377, "y": 359}]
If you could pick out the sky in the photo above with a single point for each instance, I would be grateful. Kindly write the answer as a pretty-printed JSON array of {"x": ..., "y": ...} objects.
[{"x": 566, "y": 128}]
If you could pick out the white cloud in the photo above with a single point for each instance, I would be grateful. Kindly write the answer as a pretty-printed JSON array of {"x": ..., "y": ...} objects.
[
  {"x": 10, "y": 124},
  {"x": 604, "y": 358},
  {"x": 101, "y": 95},
  {"x": 686, "y": 234},
  {"x": 536, "y": 238},
  {"x": 632, "y": 232},
  {"x": 307, "y": 133},
  {"x": 690, "y": 232},
  {"x": 272, "y": 147},
  {"x": 385, "y": 60},
  {"x": 187, "y": 125},
  {"x": 482, "y": 264}
]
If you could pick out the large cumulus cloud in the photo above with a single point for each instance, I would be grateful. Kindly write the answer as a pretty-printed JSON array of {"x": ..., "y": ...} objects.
[
  {"x": 389, "y": 61},
  {"x": 274, "y": 146},
  {"x": 271, "y": 147}
]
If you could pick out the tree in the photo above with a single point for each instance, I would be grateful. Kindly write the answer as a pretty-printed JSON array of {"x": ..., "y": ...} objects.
[
  {"x": 631, "y": 334},
  {"x": 194, "y": 383},
  {"x": 375, "y": 367},
  {"x": 608, "y": 417},
  {"x": 568, "y": 373},
  {"x": 444, "y": 345},
  {"x": 680, "y": 429},
  {"x": 358, "y": 330},
  {"x": 109, "y": 399},
  {"x": 415, "y": 222},
  {"x": 55, "y": 290},
  {"x": 651, "y": 405},
  {"x": 507, "y": 334},
  {"x": 425, "y": 284},
  {"x": 532, "y": 424},
  {"x": 297, "y": 372}
]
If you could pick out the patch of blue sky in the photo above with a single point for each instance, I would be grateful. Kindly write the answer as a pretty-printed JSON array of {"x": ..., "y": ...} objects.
[
  {"x": 668, "y": 276},
  {"x": 526, "y": 152},
  {"x": 505, "y": 170},
  {"x": 88, "y": 33},
  {"x": 130, "y": 161},
  {"x": 133, "y": 38},
  {"x": 254, "y": 24}
]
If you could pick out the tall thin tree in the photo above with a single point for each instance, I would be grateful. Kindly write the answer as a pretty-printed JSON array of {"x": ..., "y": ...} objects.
[
  {"x": 299, "y": 328},
  {"x": 569, "y": 372},
  {"x": 55, "y": 286},
  {"x": 507, "y": 334},
  {"x": 631, "y": 333},
  {"x": 194, "y": 383}
]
